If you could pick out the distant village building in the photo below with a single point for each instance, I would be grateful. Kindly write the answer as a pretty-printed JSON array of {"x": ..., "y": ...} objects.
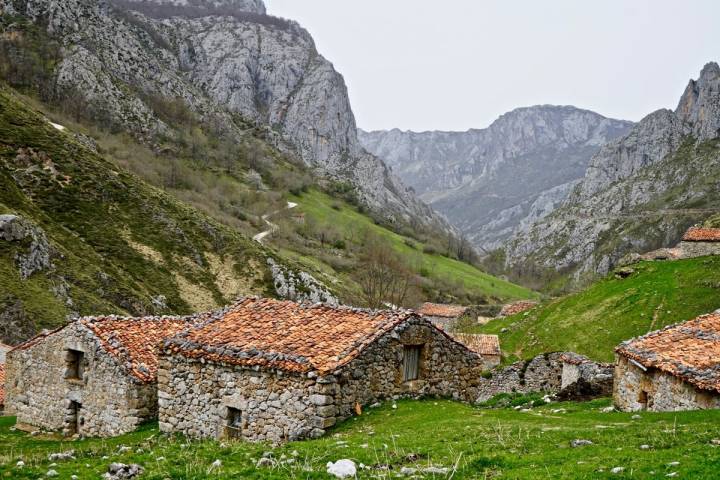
[
  {"x": 699, "y": 242},
  {"x": 517, "y": 307},
  {"x": 271, "y": 370},
  {"x": 487, "y": 346},
  {"x": 676, "y": 368},
  {"x": 93, "y": 377},
  {"x": 440, "y": 315}
]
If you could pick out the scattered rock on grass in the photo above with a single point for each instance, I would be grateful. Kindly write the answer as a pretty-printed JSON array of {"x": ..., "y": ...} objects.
[
  {"x": 69, "y": 455},
  {"x": 580, "y": 443},
  {"x": 51, "y": 473},
  {"x": 264, "y": 462},
  {"x": 120, "y": 471},
  {"x": 617, "y": 470},
  {"x": 342, "y": 468}
]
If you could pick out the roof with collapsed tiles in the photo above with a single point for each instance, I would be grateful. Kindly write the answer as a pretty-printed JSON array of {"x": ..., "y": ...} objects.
[
  {"x": 481, "y": 344},
  {"x": 440, "y": 310},
  {"x": 690, "y": 351},
  {"x": 134, "y": 342},
  {"x": 517, "y": 307},
  {"x": 287, "y": 336}
]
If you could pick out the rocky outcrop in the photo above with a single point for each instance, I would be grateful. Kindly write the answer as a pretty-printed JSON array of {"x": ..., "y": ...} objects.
[
  {"x": 36, "y": 254},
  {"x": 299, "y": 286},
  {"x": 640, "y": 192},
  {"x": 492, "y": 183},
  {"x": 224, "y": 59}
]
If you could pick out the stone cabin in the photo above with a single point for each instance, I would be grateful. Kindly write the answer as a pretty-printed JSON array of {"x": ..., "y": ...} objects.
[
  {"x": 93, "y": 377},
  {"x": 487, "y": 346},
  {"x": 270, "y": 370},
  {"x": 442, "y": 316},
  {"x": 517, "y": 307},
  {"x": 676, "y": 368},
  {"x": 699, "y": 242}
]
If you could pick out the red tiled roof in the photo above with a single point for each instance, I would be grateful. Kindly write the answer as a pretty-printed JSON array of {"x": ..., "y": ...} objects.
[
  {"x": 286, "y": 336},
  {"x": 697, "y": 234},
  {"x": 134, "y": 342},
  {"x": 440, "y": 310},
  {"x": 480, "y": 344},
  {"x": 517, "y": 307},
  {"x": 689, "y": 350},
  {"x": 2, "y": 384}
]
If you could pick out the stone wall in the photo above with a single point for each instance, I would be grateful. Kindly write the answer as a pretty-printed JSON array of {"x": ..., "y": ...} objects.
[
  {"x": 541, "y": 374},
  {"x": 195, "y": 396},
  {"x": 38, "y": 393},
  {"x": 699, "y": 249},
  {"x": 655, "y": 390}
]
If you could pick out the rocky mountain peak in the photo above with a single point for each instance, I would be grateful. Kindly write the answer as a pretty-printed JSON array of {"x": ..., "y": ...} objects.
[{"x": 700, "y": 104}]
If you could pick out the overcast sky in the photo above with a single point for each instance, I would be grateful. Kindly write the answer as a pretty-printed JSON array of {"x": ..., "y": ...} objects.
[{"x": 459, "y": 64}]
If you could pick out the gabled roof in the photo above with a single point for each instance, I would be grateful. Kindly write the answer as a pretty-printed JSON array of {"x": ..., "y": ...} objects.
[
  {"x": 690, "y": 351},
  {"x": 480, "y": 344},
  {"x": 2, "y": 384},
  {"x": 134, "y": 342},
  {"x": 440, "y": 310},
  {"x": 698, "y": 234},
  {"x": 286, "y": 335},
  {"x": 517, "y": 307}
]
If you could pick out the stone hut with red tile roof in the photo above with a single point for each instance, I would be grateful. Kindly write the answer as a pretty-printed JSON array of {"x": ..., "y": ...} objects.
[
  {"x": 676, "y": 368},
  {"x": 517, "y": 307},
  {"x": 487, "y": 346},
  {"x": 441, "y": 315},
  {"x": 273, "y": 370},
  {"x": 700, "y": 242},
  {"x": 93, "y": 377}
]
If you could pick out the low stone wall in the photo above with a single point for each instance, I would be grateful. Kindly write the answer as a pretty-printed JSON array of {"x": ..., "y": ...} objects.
[
  {"x": 584, "y": 379},
  {"x": 541, "y": 374},
  {"x": 37, "y": 392},
  {"x": 699, "y": 249},
  {"x": 654, "y": 390}
]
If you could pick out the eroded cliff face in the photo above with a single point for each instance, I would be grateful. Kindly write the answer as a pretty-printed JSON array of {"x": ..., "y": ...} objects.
[
  {"x": 640, "y": 192},
  {"x": 492, "y": 183},
  {"x": 223, "y": 58}
]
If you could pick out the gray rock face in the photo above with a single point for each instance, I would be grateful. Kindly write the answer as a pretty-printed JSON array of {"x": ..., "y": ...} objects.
[
  {"x": 640, "y": 192},
  {"x": 36, "y": 257},
  {"x": 221, "y": 63},
  {"x": 492, "y": 182}
]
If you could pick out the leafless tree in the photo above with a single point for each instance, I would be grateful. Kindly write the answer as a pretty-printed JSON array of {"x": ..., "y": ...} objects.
[{"x": 383, "y": 276}]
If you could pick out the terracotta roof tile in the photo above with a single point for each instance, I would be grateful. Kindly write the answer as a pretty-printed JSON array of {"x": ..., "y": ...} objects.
[
  {"x": 286, "y": 336},
  {"x": 697, "y": 234},
  {"x": 517, "y": 307},
  {"x": 2, "y": 384},
  {"x": 440, "y": 310},
  {"x": 689, "y": 350},
  {"x": 481, "y": 344}
]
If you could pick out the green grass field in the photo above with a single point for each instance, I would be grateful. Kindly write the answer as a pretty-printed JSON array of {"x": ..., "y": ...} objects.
[
  {"x": 472, "y": 443},
  {"x": 329, "y": 211},
  {"x": 593, "y": 322}
]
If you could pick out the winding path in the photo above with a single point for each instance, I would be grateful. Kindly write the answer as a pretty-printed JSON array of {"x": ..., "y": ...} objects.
[{"x": 272, "y": 226}]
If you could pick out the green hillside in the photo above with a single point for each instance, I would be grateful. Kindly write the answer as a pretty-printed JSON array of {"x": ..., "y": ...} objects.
[
  {"x": 458, "y": 441},
  {"x": 594, "y": 321}
]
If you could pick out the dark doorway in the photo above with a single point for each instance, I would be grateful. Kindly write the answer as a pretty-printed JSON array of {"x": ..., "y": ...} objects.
[
  {"x": 74, "y": 418},
  {"x": 643, "y": 400},
  {"x": 233, "y": 426}
]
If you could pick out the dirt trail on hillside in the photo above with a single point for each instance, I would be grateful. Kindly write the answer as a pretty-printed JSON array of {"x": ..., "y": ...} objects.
[{"x": 272, "y": 227}]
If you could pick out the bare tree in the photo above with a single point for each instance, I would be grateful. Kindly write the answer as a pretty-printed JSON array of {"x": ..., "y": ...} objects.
[{"x": 383, "y": 276}]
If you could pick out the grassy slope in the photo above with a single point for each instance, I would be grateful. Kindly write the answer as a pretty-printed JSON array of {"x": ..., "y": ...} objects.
[
  {"x": 479, "y": 443},
  {"x": 118, "y": 242},
  {"x": 594, "y": 321},
  {"x": 351, "y": 224}
]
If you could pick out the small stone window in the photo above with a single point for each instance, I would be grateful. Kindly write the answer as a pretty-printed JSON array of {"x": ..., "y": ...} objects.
[
  {"x": 233, "y": 426},
  {"x": 74, "y": 360},
  {"x": 411, "y": 362}
]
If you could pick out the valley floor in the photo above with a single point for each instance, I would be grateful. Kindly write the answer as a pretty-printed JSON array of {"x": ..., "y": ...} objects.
[{"x": 470, "y": 442}]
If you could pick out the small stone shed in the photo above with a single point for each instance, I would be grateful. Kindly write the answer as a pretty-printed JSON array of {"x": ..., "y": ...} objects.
[
  {"x": 441, "y": 315},
  {"x": 699, "y": 242},
  {"x": 93, "y": 377},
  {"x": 487, "y": 346},
  {"x": 517, "y": 307},
  {"x": 271, "y": 370},
  {"x": 676, "y": 368}
]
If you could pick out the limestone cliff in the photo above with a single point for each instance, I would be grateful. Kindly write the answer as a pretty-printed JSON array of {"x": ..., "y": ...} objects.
[
  {"x": 640, "y": 192},
  {"x": 492, "y": 182}
]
